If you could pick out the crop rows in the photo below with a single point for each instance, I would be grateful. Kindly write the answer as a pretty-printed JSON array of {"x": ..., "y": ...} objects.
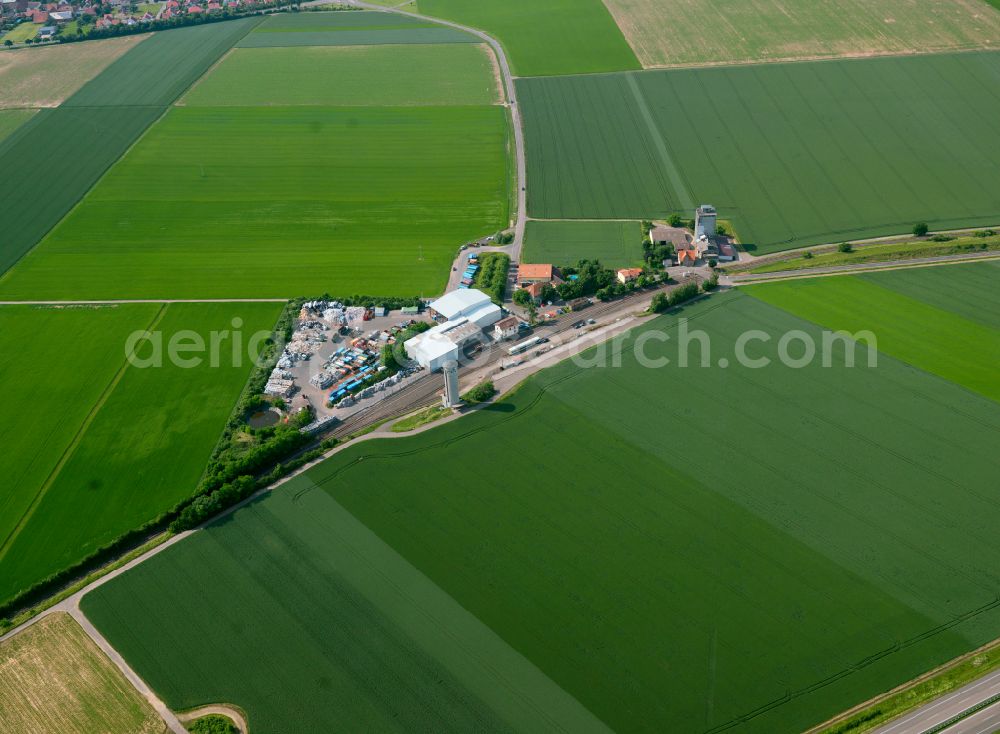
[
  {"x": 795, "y": 154},
  {"x": 103, "y": 119},
  {"x": 614, "y": 244},
  {"x": 333, "y": 199},
  {"x": 107, "y": 454},
  {"x": 761, "y": 593}
]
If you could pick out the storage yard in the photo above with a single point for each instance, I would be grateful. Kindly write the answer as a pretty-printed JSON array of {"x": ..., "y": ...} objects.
[
  {"x": 684, "y": 524},
  {"x": 333, "y": 362}
]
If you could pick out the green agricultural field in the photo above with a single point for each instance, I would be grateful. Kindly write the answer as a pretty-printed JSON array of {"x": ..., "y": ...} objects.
[
  {"x": 47, "y": 403},
  {"x": 728, "y": 31},
  {"x": 54, "y": 679},
  {"x": 350, "y": 635},
  {"x": 615, "y": 244},
  {"x": 11, "y": 120},
  {"x": 159, "y": 70},
  {"x": 933, "y": 338},
  {"x": 447, "y": 74},
  {"x": 542, "y": 38},
  {"x": 878, "y": 253},
  {"x": 128, "y": 447},
  {"x": 793, "y": 154},
  {"x": 701, "y": 580},
  {"x": 350, "y": 29},
  {"x": 103, "y": 119},
  {"x": 339, "y": 200},
  {"x": 45, "y": 76},
  {"x": 967, "y": 290}
]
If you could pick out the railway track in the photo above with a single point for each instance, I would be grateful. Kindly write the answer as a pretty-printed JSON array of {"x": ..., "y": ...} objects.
[{"x": 424, "y": 391}]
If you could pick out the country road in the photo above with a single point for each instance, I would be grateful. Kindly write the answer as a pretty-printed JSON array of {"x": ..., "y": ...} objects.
[{"x": 515, "y": 112}]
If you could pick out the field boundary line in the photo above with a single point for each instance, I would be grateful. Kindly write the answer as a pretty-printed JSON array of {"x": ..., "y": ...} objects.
[
  {"x": 509, "y": 91},
  {"x": 709, "y": 65},
  {"x": 68, "y": 452},
  {"x": 164, "y": 109},
  {"x": 165, "y": 301},
  {"x": 680, "y": 188},
  {"x": 922, "y": 678}
]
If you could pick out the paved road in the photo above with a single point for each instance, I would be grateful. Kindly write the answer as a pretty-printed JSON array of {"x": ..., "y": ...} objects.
[
  {"x": 71, "y": 605},
  {"x": 737, "y": 279},
  {"x": 986, "y": 721},
  {"x": 424, "y": 390},
  {"x": 942, "y": 709}
]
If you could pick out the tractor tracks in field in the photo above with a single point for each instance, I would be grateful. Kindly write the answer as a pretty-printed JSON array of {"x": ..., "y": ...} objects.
[{"x": 68, "y": 452}]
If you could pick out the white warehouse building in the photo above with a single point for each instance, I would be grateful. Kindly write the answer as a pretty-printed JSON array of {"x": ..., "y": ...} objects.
[
  {"x": 470, "y": 304},
  {"x": 433, "y": 349}
]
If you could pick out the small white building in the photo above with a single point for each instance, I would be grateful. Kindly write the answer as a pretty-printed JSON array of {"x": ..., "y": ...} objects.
[
  {"x": 467, "y": 303},
  {"x": 705, "y": 222},
  {"x": 506, "y": 328}
]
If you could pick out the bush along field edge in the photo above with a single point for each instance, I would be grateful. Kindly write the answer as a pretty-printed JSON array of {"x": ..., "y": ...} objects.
[{"x": 234, "y": 472}]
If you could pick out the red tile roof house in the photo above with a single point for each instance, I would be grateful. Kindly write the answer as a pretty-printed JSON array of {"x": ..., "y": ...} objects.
[
  {"x": 687, "y": 257},
  {"x": 528, "y": 273},
  {"x": 213, "y": 7},
  {"x": 626, "y": 275},
  {"x": 535, "y": 291},
  {"x": 39, "y": 16},
  {"x": 196, "y": 9}
]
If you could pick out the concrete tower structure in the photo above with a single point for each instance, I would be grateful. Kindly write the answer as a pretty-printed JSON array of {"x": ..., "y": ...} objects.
[{"x": 451, "y": 398}]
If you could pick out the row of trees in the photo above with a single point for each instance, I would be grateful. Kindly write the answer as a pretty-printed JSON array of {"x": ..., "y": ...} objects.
[{"x": 664, "y": 301}]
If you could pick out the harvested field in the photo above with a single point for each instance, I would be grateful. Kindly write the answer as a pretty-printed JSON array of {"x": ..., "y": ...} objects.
[
  {"x": 45, "y": 76},
  {"x": 615, "y": 244},
  {"x": 794, "y": 154},
  {"x": 54, "y": 680},
  {"x": 657, "y": 557},
  {"x": 334, "y": 199},
  {"x": 414, "y": 75},
  {"x": 685, "y": 32},
  {"x": 129, "y": 444},
  {"x": 552, "y": 37}
]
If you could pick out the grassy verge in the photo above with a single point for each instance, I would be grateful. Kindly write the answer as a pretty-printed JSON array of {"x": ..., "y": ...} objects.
[
  {"x": 938, "y": 682},
  {"x": 26, "y": 614},
  {"x": 827, "y": 257},
  {"x": 421, "y": 418}
]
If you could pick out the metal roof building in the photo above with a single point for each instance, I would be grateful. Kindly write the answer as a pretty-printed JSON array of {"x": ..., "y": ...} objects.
[
  {"x": 439, "y": 345},
  {"x": 467, "y": 303}
]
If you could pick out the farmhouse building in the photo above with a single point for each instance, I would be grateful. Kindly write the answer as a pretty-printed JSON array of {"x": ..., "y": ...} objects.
[
  {"x": 529, "y": 273},
  {"x": 678, "y": 237},
  {"x": 687, "y": 256},
  {"x": 535, "y": 291},
  {"x": 627, "y": 275}
]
